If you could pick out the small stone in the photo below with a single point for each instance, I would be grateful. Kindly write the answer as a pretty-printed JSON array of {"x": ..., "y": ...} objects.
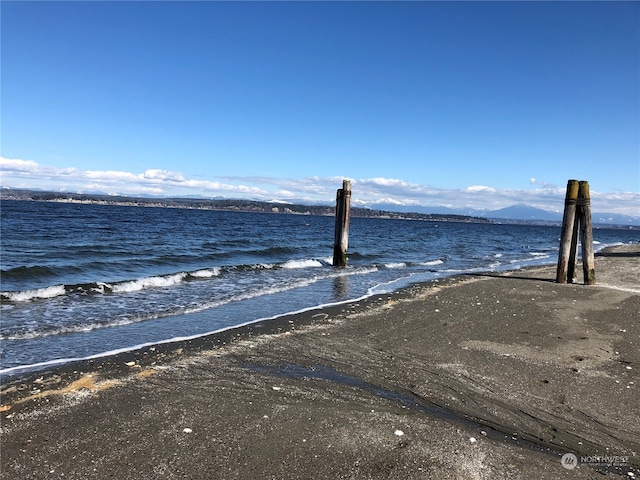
[
  {"x": 187, "y": 430},
  {"x": 473, "y": 440},
  {"x": 398, "y": 433},
  {"x": 277, "y": 388},
  {"x": 130, "y": 364}
]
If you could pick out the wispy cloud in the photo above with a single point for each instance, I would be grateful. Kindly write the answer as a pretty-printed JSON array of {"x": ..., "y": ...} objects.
[
  {"x": 372, "y": 192},
  {"x": 535, "y": 181}
]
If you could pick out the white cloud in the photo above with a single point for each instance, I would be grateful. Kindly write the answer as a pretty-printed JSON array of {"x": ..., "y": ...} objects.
[
  {"x": 17, "y": 165},
  {"x": 479, "y": 188},
  {"x": 385, "y": 182},
  {"x": 163, "y": 175},
  {"x": 28, "y": 168},
  {"x": 534, "y": 181},
  {"x": 371, "y": 192},
  {"x": 111, "y": 176}
]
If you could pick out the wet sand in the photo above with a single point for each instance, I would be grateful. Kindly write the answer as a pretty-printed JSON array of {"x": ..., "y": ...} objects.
[{"x": 478, "y": 376}]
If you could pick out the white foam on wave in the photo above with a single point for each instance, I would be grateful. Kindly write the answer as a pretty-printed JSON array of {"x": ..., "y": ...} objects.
[
  {"x": 432, "y": 263},
  {"x": 27, "y": 295},
  {"x": 206, "y": 273},
  {"x": 395, "y": 265},
  {"x": 249, "y": 294},
  {"x": 87, "y": 327},
  {"x": 303, "y": 263},
  {"x": 149, "y": 282},
  {"x": 539, "y": 254},
  {"x": 101, "y": 287}
]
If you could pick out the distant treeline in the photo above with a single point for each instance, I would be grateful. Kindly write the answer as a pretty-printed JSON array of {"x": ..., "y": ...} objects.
[{"x": 226, "y": 204}]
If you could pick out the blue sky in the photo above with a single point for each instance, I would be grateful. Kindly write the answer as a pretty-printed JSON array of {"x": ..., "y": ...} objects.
[{"x": 481, "y": 104}]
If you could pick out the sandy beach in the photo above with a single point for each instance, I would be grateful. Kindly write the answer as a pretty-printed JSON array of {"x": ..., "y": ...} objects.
[{"x": 487, "y": 376}]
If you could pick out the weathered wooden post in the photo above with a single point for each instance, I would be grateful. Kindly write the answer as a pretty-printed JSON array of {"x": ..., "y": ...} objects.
[
  {"x": 573, "y": 253},
  {"x": 564, "y": 256},
  {"x": 586, "y": 233},
  {"x": 341, "y": 240}
]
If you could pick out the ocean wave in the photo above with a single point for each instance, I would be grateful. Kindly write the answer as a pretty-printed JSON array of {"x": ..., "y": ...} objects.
[
  {"x": 206, "y": 273},
  {"x": 48, "y": 331},
  {"x": 148, "y": 282},
  {"x": 259, "y": 292},
  {"x": 35, "y": 294},
  {"x": 395, "y": 265},
  {"x": 24, "y": 272},
  {"x": 303, "y": 263},
  {"x": 102, "y": 287},
  {"x": 432, "y": 263},
  {"x": 155, "y": 281}
]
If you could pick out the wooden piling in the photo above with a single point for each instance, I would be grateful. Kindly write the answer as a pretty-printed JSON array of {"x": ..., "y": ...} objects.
[
  {"x": 572, "y": 275},
  {"x": 341, "y": 239},
  {"x": 586, "y": 233},
  {"x": 564, "y": 256}
]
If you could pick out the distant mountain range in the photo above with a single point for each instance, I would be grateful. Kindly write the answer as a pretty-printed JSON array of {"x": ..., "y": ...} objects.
[{"x": 519, "y": 213}]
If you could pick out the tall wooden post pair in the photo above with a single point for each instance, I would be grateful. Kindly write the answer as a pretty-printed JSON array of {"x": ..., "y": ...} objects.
[{"x": 577, "y": 218}]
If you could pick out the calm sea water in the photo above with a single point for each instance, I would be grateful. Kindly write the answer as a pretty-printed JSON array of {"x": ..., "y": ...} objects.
[{"x": 82, "y": 280}]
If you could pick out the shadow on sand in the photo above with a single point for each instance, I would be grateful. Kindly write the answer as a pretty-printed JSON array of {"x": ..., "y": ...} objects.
[
  {"x": 507, "y": 276},
  {"x": 618, "y": 254}
]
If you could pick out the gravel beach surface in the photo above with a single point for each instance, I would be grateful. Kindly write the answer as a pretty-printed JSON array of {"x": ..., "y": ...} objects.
[{"x": 478, "y": 376}]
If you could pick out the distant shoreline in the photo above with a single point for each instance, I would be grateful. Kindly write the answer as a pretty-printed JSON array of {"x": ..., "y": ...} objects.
[
  {"x": 239, "y": 205},
  {"x": 255, "y": 206}
]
